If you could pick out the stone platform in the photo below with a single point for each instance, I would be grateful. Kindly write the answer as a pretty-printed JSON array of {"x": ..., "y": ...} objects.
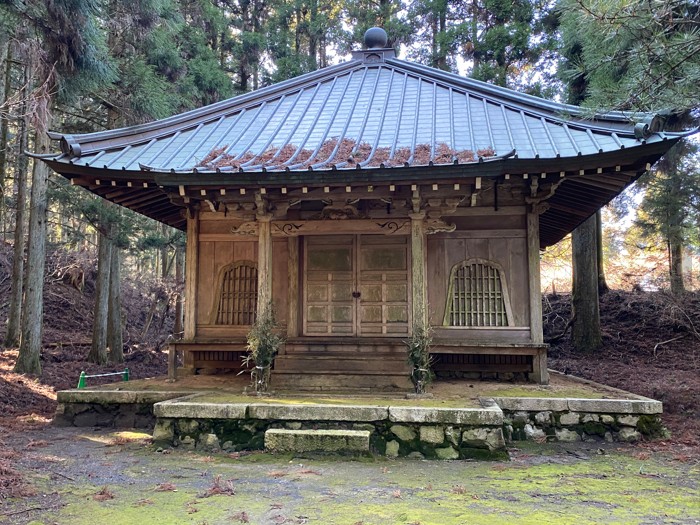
[{"x": 461, "y": 420}]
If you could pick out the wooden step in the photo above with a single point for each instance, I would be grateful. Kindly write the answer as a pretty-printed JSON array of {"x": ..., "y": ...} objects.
[
  {"x": 353, "y": 349},
  {"x": 341, "y": 364},
  {"x": 329, "y": 382}
]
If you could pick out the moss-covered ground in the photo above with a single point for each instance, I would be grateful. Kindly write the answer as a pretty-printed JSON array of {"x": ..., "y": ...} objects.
[{"x": 87, "y": 477}]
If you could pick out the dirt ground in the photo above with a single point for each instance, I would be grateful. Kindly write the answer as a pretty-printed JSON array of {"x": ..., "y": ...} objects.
[
  {"x": 651, "y": 347},
  {"x": 83, "y": 476}
]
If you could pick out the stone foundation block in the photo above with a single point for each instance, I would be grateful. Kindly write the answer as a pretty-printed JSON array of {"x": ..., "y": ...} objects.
[
  {"x": 211, "y": 443},
  {"x": 543, "y": 418},
  {"x": 629, "y": 435},
  {"x": 283, "y": 440},
  {"x": 392, "y": 449},
  {"x": 569, "y": 418},
  {"x": 532, "y": 432},
  {"x": 402, "y": 432},
  {"x": 163, "y": 431},
  {"x": 317, "y": 412},
  {"x": 446, "y": 453},
  {"x": 194, "y": 410},
  {"x": 564, "y": 434},
  {"x": 491, "y": 438},
  {"x": 433, "y": 435},
  {"x": 628, "y": 421},
  {"x": 491, "y": 416}
]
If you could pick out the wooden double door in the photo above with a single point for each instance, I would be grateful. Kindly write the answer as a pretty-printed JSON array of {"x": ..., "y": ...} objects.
[{"x": 356, "y": 285}]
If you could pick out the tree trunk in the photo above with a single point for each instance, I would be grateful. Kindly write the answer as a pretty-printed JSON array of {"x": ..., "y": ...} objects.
[
  {"x": 6, "y": 51},
  {"x": 32, "y": 316},
  {"x": 602, "y": 283},
  {"x": 98, "y": 352},
  {"x": 675, "y": 251},
  {"x": 585, "y": 309},
  {"x": 14, "y": 314},
  {"x": 163, "y": 253},
  {"x": 114, "y": 318}
]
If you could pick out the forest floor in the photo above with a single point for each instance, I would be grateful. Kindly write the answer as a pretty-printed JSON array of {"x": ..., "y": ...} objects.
[{"x": 651, "y": 346}]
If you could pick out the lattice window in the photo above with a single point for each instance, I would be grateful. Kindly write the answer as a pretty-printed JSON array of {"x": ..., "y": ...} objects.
[
  {"x": 238, "y": 294},
  {"x": 478, "y": 295}
]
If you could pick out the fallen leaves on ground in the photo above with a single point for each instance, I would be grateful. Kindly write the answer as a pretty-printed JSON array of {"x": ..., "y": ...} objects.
[
  {"x": 166, "y": 487},
  {"x": 103, "y": 494},
  {"x": 219, "y": 487}
]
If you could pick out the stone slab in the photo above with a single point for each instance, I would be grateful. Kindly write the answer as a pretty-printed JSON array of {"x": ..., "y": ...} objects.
[
  {"x": 283, "y": 440},
  {"x": 317, "y": 412},
  {"x": 616, "y": 406},
  {"x": 195, "y": 410},
  {"x": 451, "y": 416},
  {"x": 599, "y": 406},
  {"x": 116, "y": 396},
  {"x": 532, "y": 404}
]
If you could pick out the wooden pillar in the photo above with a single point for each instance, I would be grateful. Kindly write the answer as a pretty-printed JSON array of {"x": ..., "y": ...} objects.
[
  {"x": 539, "y": 363},
  {"x": 191, "y": 271},
  {"x": 264, "y": 262},
  {"x": 293, "y": 289},
  {"x": 418, "y": 292}
]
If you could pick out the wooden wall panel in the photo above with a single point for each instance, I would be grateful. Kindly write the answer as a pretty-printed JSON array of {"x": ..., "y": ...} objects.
[
  {"x": 206, "y": 280},
  {"x": 506, "y": 246},
  {"x": 214, "y": 255},
  {"x": 280, "y": 279},
  {"x": 517, "y": 281}
]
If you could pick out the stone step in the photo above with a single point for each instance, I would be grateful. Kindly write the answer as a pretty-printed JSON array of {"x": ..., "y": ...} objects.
[{"x": 344, "y": 441}]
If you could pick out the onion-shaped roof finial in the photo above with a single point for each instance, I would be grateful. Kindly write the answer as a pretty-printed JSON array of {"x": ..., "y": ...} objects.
[{"x": 376, "y": 38}]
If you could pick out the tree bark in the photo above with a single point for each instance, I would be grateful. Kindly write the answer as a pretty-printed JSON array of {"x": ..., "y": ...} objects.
[
  {"x": 14, "y": 314},
  {"x": 602, "y": 283},
  {"x": 6, "y": 52},
  {"x": 163, "y": 252},
  {"x": 115, "y": 341},
  {"x": 585, "y": 308},
  {"x": 32, "y": 316},
  {"x": 98, "y": 352},
  {"x": 675, "y": 251}
]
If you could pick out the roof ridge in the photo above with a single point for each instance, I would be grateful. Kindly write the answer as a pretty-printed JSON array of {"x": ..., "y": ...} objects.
[{"x": 537, "y": 105}]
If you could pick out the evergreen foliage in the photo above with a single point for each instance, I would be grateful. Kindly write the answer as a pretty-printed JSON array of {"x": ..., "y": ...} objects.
[{"x": 634, "y": 54}]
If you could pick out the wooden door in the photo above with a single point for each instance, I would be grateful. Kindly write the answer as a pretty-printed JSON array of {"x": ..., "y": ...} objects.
[
  {"x": 356, "y": 285},
  {"x": 383, "y": 286},
  {"x": 329, "y": 285}
]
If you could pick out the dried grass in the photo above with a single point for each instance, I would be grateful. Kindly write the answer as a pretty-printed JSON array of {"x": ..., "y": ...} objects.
[{"x": 345, "y": 152}]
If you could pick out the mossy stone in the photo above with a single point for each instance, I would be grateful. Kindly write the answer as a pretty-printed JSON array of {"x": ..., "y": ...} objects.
[
  {"x": 594, "y": 428},
  {"x": 482, "y": 454},
  {"x": 446, "y": 453},
  {"x": 392, "y": 449},
  {"x": 403, "y": 432},
  {"x": 432, "y": 434}
]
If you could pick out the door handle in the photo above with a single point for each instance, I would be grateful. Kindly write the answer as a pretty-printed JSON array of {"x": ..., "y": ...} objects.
[{"x": 356, "y": 295}]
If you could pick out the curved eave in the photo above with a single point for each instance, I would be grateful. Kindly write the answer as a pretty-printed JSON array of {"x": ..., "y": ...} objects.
[{"x": 576, "y": 198}]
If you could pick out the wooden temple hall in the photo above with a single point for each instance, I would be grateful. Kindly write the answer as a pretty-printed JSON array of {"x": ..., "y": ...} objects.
[{"x": 364, "y": 199}]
